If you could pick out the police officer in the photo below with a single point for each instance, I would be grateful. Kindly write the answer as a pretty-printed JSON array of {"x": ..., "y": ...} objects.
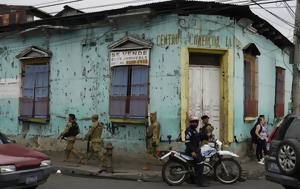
[
  {"x": 192, "y": 141},
  {"x": 70, "y": 132},
  {"x": 94, "y": 136},
  {"x": 153, "y": 137}
]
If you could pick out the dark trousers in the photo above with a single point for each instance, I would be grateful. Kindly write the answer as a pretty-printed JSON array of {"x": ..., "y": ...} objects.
[
  {"x": 198, "y": 179},
  {"x": 261, "y": 149},
  {"x": 199, "y": 169}
]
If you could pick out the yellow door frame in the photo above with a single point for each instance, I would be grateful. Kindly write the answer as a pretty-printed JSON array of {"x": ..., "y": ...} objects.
[{"x": 226, "y": 81}]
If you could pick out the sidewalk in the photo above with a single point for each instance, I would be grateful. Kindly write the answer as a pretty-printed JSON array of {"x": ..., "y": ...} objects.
[{"x": 126, "y": 168}]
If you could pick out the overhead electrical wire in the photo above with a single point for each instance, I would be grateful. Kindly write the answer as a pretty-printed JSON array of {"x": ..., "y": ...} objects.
[
  {"x": 239, "y": 2},
  {"x": 115, "y": 4},
  {"x": 273, "y": 7},
  {"x": 259, "y": 3},
  {"x": 52, "y": 5},
  {"x": 247, "y": 2},
  {"x": 61, "y": 3},
  {"x": 138, "y": 1},
  {"x": 45, "y": 3},
  {"x": 278, "y": 17},
  {"x": 290, "y": 10},
  {"x": 110, "y": 5}
]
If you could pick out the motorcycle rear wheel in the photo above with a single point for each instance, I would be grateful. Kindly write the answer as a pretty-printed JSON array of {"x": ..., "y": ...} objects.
[
  {"x": 227, "y": 171},
  {"x": 171, "y": 173}
]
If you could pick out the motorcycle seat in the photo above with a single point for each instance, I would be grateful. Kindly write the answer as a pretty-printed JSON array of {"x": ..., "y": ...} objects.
[{"x": 189, "y": 158}]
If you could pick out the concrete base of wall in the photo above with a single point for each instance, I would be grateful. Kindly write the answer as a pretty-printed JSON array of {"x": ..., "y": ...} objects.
[
  {"x": 135, "y": 148},
  {"x": 55, "y": 145},
  {"x": 243, "y": 149}
]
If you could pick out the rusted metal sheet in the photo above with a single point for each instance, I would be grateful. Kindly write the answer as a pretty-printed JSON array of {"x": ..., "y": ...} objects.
[{"x": 13, "y": 18}]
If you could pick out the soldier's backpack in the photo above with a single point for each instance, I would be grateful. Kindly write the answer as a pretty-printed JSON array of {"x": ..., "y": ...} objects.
[{"x": 73, "y": 131}]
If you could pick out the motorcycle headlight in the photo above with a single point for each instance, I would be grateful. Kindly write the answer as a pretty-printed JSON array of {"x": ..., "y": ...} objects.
[
  {"x": 45, "y": 163},
  {"x": 7, "y": 169}
]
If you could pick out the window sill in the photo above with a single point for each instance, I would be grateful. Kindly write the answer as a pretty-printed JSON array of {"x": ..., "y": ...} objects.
[
  {"x": 128, "y": 120},
  {"x": 34, "y": 120},
  {"x": 249, "y": 119}
]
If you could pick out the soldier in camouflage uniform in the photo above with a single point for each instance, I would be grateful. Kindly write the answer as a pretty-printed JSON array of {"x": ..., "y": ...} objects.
[
  {"x": 69, "y": 134},
  {"x": 207, "y": 129},
  {"x": 153, "y": 138},
  {"x": 94, "y": 136}
]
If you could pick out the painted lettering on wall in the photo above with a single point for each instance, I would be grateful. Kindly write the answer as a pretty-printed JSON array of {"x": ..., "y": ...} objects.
[
  {"x": 233, "y": 42},
  {"x": 199, "y": 40},
  {"x": 168, "y": 39},
  {"x": 204, "y": 40},
  {"x": 9, "y": 88}
]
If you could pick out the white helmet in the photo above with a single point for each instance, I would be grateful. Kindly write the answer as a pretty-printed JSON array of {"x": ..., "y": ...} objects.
[{"x": 193, "y": 118}]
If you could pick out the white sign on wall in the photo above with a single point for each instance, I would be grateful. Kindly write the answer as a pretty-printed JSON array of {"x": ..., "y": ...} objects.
[
  {"x": 130, "y": 57},
  {"x": 9, "y": 88}
]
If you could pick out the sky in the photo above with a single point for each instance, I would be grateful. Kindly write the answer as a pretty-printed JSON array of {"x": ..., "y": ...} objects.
[{"x": 277, "y": 8}]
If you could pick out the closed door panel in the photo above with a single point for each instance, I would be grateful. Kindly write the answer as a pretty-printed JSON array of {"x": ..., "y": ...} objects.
[{"x": 204, "y": 94}]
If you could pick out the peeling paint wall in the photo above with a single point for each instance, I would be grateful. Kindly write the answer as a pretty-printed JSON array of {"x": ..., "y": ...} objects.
[
  {"x": 271, "y": 56},
  {"x": 80, "y": 74}
]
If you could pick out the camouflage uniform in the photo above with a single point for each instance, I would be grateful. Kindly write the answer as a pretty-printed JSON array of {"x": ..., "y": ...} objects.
[
  {"x": 153, "y": 138},
  {"x": 207, "y": 129},
  {"x": 94, "y": 135},
  {"x": 70, "y": 143}
]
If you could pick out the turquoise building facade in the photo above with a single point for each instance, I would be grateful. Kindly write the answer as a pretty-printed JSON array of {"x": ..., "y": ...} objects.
[{"x": 78, "y": 50}]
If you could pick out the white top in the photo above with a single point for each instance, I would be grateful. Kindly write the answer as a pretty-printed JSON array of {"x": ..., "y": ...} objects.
[{"x": 263, "y": 133}]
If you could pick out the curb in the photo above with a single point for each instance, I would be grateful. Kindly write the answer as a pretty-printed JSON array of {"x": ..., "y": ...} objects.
[
  {"x": 117, "y": 175},
  {"x": 153, "y": 176}
]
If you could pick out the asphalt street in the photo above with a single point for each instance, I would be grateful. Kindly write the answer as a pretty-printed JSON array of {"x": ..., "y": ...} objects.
[{"x": 66, "y": 182}]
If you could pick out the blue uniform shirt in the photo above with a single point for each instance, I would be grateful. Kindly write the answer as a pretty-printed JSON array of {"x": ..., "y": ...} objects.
[{"x": 191, "y": 140}]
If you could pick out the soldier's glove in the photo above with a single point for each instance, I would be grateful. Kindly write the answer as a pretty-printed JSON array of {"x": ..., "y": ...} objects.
[{"x": 194, "y": 155}]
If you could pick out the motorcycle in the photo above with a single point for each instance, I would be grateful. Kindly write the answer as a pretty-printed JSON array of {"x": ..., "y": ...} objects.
[{"x": 220, "y": 164}]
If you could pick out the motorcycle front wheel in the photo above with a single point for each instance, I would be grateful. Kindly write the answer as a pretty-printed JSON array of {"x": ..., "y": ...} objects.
[
  {"x": 228, "y": 171},
  {"x": 174, "y": 173}
]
